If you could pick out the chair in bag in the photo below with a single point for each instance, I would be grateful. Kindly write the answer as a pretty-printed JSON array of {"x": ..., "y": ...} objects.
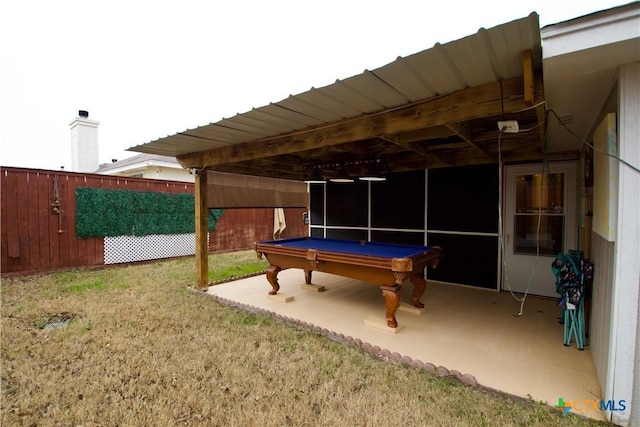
[{"x": 572, "y": 272}]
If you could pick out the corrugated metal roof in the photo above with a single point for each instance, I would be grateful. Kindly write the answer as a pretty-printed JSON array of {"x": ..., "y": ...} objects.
[{"x": 485, "y": 57}]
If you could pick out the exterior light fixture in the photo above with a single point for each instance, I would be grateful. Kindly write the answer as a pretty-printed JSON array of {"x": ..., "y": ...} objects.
[
  {"x": 373, "y": 178},
  {"x": 372, "y": 171},
  {"x": 342, "y": 176},
  {"x": 375, "y": 169}
]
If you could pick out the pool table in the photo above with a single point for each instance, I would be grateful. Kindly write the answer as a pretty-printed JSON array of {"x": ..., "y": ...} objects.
[{"x": 383, "y": 264}]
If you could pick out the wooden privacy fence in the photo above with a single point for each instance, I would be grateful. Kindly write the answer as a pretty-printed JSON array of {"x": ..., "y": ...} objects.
[{"x": 38, "y": 220}]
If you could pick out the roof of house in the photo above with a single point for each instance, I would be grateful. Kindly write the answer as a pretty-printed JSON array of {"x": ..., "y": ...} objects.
[
  {"x": 581, "y": 58},
  {"x": 137, "y": 162}
]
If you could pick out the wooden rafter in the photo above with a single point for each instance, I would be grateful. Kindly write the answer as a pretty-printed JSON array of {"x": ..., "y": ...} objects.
[
  {"x": 464, "y": 132},
  {"x": 430, "y": 158}
]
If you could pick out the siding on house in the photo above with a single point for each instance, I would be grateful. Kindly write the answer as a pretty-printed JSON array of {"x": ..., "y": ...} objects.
[{"x": 602, "y": 254}]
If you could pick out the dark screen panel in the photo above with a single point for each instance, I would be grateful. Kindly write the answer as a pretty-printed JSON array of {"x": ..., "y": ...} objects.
[
  {"x": 347, "y": 234},
  {"x": 467, "y": 260},
  {"x": 347, "y": 204},
  {"x": 403, "y": 238},
  {"x": 316, "y": 198},
  {"x": 317, "y": 232},
  {"x": 463, "y": 199},
  {"x": 398, "y": 202}
]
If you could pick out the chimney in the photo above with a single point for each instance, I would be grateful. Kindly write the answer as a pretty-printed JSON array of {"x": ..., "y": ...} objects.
[{"x": 84, "y": 143}]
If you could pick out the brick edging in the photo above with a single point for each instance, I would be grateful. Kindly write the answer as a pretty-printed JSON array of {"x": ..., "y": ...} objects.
[{"x": 383, "y": 353}]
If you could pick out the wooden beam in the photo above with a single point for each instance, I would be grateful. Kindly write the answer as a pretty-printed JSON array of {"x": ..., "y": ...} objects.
[
  {"x": 264, "y": 168},
  {"x": 528, "y": 76},
  {"x": 467, "y": 104},
  {"x": 463, "y": 131},
  {"x": 358, "y": 148},
  {"x": 542, "y": 130},
  {"x": 435, "y": 132},
  {"x": 429, "y": 157},
  {"x": 202, "y": 219}
]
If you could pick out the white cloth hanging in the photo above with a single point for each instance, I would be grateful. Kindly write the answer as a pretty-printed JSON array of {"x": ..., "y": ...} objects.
[{"x": 279, "y": 222}]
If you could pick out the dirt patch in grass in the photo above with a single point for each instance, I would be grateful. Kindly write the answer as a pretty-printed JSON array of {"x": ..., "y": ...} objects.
[{"x": 139, "y": 349}]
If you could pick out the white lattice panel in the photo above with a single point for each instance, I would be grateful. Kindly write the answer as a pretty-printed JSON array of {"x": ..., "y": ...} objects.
[{"x": 143, "y": 248}]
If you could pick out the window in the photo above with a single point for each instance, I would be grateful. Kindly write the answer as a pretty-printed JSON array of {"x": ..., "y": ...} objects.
[{"x": 539, "y": 214}]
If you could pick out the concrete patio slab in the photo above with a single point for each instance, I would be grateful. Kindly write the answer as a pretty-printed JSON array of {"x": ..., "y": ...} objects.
[{"x": 461, "y": 330}]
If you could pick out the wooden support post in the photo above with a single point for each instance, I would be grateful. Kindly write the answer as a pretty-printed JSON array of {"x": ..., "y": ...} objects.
[
  {"x": 202, "y": 216},
  {"x": 527, "y": 71},
  {"x": 529, "y": 77}
]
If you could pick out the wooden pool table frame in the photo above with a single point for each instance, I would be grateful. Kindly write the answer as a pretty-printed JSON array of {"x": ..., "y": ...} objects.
[{"x": 387, "y": 272}]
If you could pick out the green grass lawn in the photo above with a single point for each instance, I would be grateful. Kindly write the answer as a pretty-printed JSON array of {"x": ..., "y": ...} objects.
[{"x": 136, "y": 348}]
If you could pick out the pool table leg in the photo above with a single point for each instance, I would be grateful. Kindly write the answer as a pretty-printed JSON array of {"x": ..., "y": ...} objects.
[
  {"x": 272, "y": 277},
  {"x": 419, "y": 286},
  {"x": 391, "y": 296},
  {"x": 307, "y": 277}
]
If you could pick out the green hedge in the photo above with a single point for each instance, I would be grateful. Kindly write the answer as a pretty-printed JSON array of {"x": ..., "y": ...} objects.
[{"x": 101, "y": 213}]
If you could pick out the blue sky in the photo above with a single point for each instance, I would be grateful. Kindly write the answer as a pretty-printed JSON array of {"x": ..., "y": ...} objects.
[{"x": 148, "y": 69}]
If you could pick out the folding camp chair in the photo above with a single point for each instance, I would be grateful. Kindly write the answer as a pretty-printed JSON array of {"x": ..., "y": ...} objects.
[{"x": 572, "y": 272}]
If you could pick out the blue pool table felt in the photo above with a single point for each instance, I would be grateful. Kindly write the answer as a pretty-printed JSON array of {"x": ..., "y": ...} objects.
[{"x": 388, "y": 250}]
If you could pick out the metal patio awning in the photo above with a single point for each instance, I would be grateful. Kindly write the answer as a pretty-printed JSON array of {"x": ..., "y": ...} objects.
[{"x": 435, "y": 108}]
